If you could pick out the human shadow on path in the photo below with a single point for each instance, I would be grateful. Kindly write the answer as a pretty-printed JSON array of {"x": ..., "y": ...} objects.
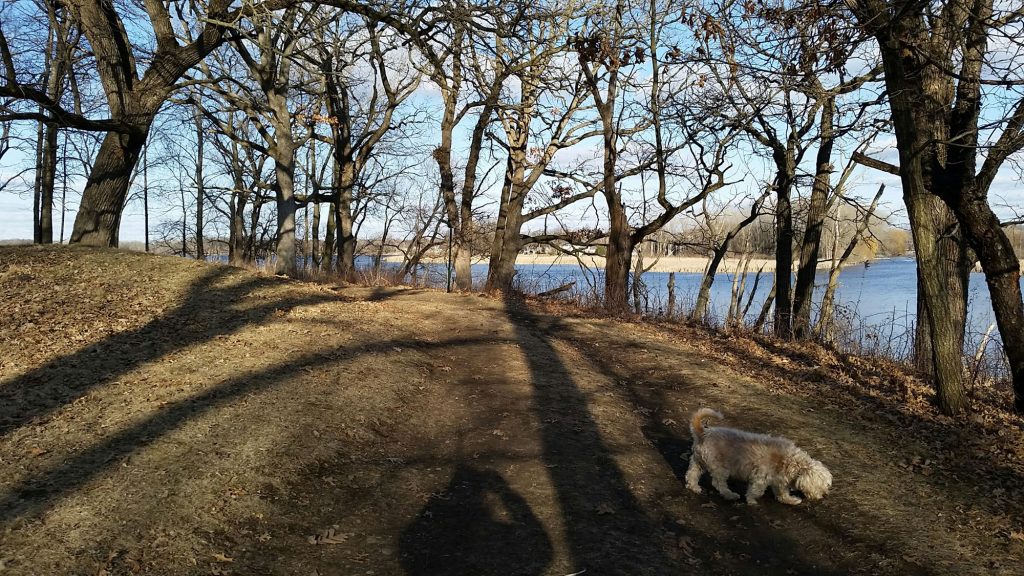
[
  {"x": 607, "y": 530},
  {"x": 476, "y": 525}
]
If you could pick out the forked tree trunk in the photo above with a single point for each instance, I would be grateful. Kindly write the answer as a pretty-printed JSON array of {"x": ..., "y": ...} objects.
[{"x": 506, "y": 243}]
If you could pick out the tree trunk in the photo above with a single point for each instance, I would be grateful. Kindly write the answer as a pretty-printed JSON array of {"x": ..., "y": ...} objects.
[
  {"x": 346, "y": 236},
  {"x": 329, "y": 238},
  {"x": 803, "y": 294},
  {"x": 506, "y": 243},
  {"x": 617, "y": 255},
  {"x": 700, "y": 309},
  {"x": 283, "y": 153},
  {"x": 236, "y": 234},
  {"x": 346, "y": 225},
  {"x": 98, "y": 222},
  {"x": 783, "y": 318},
  {"x": 46, "y": 184},
  {"x": 1002, "y": 274},
  {"x": 317, "y": 254},
  {"x": 286, "y": 255},
  {"x": 200, "y": 189}
]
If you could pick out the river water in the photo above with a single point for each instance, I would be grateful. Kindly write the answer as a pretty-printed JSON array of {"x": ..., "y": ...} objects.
[{"x": 876, "y": 304}]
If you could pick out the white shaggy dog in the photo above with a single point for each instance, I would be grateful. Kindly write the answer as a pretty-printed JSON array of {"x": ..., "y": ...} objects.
[{"x": 760, "y": 459}]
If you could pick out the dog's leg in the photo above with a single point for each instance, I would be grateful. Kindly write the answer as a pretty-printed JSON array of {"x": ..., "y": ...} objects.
[
  {"x": 782, "y": 495},
  {"x": 693, "y": 475},
  {"x": 721, "y": 484},
  {"x": 756, "y": 489}
]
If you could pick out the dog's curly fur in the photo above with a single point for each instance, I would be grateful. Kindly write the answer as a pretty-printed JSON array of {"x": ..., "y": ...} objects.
[{"x": 760, "y": 459}]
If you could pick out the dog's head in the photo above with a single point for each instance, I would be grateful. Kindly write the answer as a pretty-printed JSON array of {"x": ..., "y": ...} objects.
[{"x": 814, "y": 481}]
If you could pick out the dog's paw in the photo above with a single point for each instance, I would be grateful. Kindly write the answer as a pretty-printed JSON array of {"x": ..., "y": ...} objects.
[
  {"x": 731, "y": 496},
  {"x": 695, "y": 489},
  {"x": 751, "y": 502},
  {"x": 792, "y": 500}
]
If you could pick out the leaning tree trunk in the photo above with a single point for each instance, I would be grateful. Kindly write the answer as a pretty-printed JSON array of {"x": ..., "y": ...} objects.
[
  {"x": 507, "y": 242},
  {"x": 700, "y": 309},
  {"x": 1002, "y": 274},
  {"x": 98, "y": 221},
  {"x": 803, "y": 294}
]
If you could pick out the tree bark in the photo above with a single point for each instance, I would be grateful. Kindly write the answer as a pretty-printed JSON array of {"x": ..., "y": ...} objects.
[
  {"x": 804, "y": 292},
  {"x": 98, "y": 222},
  {"x": 783, "y": 318}
]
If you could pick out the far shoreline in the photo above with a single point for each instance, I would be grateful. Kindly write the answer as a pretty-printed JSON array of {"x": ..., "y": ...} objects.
[{"x": 680, "y": 264}]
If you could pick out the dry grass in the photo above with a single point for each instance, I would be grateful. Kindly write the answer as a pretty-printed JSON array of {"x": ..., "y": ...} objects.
[{"x": 161, "y": 416}]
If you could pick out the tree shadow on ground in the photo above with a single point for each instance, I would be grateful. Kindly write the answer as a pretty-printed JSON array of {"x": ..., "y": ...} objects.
[
  {"x": 43, "y": 490},
  {"x": 476, "y": 525},
  {"x": 207, "y": 311},
  {"x": 607, "y": 530}
]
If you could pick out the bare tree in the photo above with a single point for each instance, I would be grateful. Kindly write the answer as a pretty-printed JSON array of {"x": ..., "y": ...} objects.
[{"x": 938, "y": 65}]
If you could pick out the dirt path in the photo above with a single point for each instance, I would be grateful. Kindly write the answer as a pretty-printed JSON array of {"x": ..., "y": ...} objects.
[{"x": 193, "y": 419}]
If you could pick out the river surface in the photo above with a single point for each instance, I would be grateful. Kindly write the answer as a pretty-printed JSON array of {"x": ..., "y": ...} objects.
[{"x": 876, "y": 304}]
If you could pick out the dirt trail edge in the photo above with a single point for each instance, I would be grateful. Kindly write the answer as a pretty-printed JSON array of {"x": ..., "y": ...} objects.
[{"x": 161, "y": 416}]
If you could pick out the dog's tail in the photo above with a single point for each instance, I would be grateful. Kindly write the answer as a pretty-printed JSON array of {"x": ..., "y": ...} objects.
[{"x": 697, "y": 424}]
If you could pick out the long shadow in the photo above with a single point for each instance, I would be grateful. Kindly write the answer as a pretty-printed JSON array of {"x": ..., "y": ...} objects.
[
  {"x": 207, "y": 311},
  {"x": 607, "y": 530},
  {"x": 477, "y": 525},
  {"x": 758, "y": 546},
  {"x": 43, "y": 490}
]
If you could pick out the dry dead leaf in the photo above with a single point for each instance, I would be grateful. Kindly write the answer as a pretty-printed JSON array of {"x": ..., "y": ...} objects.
[
  {"x": 1018, "y": 536},
  {"x": 36, "y": 451},
  {"x": 219, "y": 557}
]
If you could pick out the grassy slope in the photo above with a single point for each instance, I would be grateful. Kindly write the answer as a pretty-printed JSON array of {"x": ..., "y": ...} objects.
[{"x": 161, "y": 416}]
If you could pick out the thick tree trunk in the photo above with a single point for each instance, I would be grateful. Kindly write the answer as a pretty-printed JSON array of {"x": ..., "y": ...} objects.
[
  {"x": 617, "y": 257},
  {"x": 943, "y": 265},
  {"x": 346, "y": 225},
  {"x": 346, "y": 235},
  {"x": 283, "y": 153},
  {"x": 286, "y": 255},
  {"x": 98, "y": 221}
]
